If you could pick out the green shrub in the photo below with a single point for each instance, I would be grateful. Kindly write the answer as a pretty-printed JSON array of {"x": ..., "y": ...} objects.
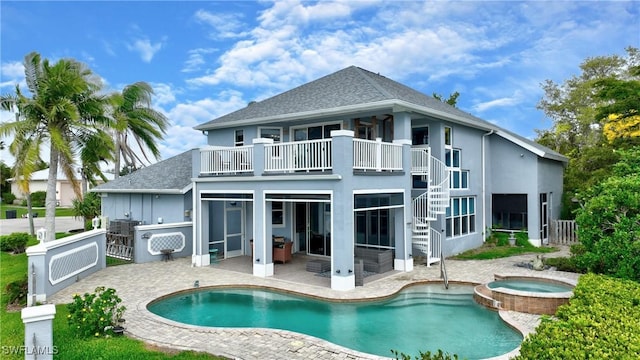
[
  {"x": 563, "y": 264},
  {"x": 600, "y": 322},
  {"x": 14, "y": 242},
  {"x": 38, "y": 198},
  {"x": 8, "y": 198},
  {"x": 608, "y": 228},
  {"x": 440, "y": 355},
  {"x": 17, "y": 291},
  {"x": 95, "y": 314}
]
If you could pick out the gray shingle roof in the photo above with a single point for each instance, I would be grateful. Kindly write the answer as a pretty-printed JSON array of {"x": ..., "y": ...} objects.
[
  {"x": 347, "y": 87},
  {"x": 172, "y": 175},
  {"x": 353, "y": 87}
]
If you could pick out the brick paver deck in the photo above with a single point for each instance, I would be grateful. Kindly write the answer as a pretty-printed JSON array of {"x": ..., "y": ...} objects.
[{"x": 139, "y": 284}]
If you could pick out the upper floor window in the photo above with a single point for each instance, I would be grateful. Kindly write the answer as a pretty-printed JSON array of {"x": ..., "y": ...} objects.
[
  {"x": 271, "y": 133},
  {"x": 239, "y": 140},
  {"x": 448, "y": 137},
  {"x": 420, "y": 135},
  {"x": 315, "y": 132},
  {"x": 458, "y": 178}
]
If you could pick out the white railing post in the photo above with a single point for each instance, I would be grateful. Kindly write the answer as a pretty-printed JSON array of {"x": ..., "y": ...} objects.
[{"x": 378, "y": 152}]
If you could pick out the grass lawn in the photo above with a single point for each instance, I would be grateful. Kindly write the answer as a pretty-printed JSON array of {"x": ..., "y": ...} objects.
[
  {"x": 22, "y": 210},
  {"x": 14, "y": 267},
  {"x": 497, "y": 246}
]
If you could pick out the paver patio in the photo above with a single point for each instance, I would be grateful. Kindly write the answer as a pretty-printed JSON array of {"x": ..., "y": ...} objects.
[{"x": 139, "y": 284}]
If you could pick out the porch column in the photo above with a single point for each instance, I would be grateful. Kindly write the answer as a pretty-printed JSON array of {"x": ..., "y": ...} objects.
[
  {"x": 262, "y": 242},
  {"x": 342, "y": 243},
  {"x": 258, "y": 155},
  {"x": 201, "y": 250},
  {"x": 404, "y": 216}
]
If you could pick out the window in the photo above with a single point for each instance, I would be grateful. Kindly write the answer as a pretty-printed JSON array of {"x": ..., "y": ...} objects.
[
  {"x": 277, "y": 213},
  {"x": 461, "y": 216},
  {"x": 374, "y": 228},
  {"x": 448, "y": 137},
  {"x": 509, "y": 211},
  {"x": 420, "y": 135},
  {"x": 239, "y": 141},
  {"x": 271, "y": 133},
  {"x": 374, "y": 219},
  {"x": 315, "y": 132},
  {"x": 458, "y": 178}
]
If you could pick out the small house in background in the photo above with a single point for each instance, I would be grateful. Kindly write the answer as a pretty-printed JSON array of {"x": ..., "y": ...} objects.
[
  {"x": 64, "y": 191},
  {"x": 352, "y": 168}
]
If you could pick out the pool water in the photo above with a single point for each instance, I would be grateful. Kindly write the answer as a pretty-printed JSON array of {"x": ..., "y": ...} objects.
[
  {"x": 419, "y": 318},
  {"x": 530, "y": 285}
]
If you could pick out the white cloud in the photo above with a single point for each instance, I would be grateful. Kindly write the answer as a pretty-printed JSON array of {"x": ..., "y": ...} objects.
[
  {"x": 197, "y": 59},
  {"x": 501, "y": 102},
  {"x": 192, "y": 113},
  {"x": 12, "y": 74},
  {"x": 163, "y": 94},
  {"x": 145, "y": 48},
  {"x": 225, "y": 25},
  {"x": 184, "y": 116}
]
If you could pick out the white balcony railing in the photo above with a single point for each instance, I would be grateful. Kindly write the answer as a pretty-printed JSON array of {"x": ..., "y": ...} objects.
[
  {"x": 308, "y": 155},
  {"x": 376, "y": 155},
  {"x": 299, "y": 156},
  {"x": 226, "y": 160},
  {"x": 420, "y": 160}
]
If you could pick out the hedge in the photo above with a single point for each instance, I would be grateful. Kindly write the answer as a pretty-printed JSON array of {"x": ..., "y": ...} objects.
[
  {"x": 601, "y": 321},
  {"x": 14, "y": 242}
]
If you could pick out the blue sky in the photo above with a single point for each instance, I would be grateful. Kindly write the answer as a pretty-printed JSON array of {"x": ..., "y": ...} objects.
[{"x": 205, "y": 59}]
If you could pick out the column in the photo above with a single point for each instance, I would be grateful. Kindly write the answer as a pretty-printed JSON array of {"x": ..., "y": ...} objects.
[{"x": 38, "y": 332}]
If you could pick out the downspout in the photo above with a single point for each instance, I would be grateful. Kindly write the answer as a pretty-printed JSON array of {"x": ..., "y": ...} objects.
[{"x": 484, "y": 190}]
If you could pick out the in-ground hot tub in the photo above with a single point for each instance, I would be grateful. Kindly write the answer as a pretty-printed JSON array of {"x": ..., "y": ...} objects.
[{"x": 533, "y": 295}]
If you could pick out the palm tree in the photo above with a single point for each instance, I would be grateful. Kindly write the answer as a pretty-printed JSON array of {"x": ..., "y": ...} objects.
[
  {"x": 65, "y": 112},
  {"x": 132, "y": 115}
]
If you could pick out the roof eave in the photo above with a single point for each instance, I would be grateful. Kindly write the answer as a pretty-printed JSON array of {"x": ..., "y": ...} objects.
[
  {"x": 182, "y": 191},
  {"x": 540, "y": 152}
]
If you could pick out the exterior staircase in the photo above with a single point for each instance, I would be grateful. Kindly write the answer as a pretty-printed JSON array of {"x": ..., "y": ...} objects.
[{"x": 428, "y": 205}]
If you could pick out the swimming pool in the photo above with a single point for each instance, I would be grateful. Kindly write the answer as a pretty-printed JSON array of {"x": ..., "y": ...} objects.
[{"x": 419, "y": 318}]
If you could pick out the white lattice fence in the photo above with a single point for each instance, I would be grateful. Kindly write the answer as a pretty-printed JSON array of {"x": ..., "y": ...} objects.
[
  {"x": 159, "y": 242},
  {"x": 72, "y": 262}
]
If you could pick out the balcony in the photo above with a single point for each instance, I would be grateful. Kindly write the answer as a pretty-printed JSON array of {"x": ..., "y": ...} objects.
[{"x": 310, "y": 156}]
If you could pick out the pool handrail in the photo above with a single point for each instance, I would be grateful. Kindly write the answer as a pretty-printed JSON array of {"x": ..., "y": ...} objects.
[{"x": 443, "y": 271}]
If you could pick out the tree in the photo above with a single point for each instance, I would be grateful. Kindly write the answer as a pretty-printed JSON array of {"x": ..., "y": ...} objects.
[
  {"x": 577, "y": 130},
  {"x": 452, "y": 100},
  {"x": 88, "y": 207},
  {"x": 609, "y": 223},
  {"x": 65, "y": 111},
  {"x": 5, "y": 174},
  {"x": 621, "y": 111},
  {"x": 133, "y": 115}
]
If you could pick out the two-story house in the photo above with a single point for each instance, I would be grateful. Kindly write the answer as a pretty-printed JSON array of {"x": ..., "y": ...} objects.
[{"x": 351, "y": 160}]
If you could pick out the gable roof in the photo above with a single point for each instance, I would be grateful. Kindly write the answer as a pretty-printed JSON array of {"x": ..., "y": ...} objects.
[
  {"x": 170, "y": 176},
  {"x": 355, "y": 89}
]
